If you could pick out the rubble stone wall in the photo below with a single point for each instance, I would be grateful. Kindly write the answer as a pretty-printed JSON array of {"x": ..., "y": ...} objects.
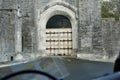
[
  {"x": 96, "y": 35},
  {"x": 111, "y": 36}
]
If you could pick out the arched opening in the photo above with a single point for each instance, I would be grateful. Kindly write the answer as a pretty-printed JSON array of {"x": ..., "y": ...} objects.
[
  {"x": 43, "y": 34},
  {"x": 59, "y": 36},
  {"x": 58, "y": 21}
]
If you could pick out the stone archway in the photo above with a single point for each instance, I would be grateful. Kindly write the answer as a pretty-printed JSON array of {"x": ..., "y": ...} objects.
[
  {"x": 46, "y": 15},
  {"x": 58, "y": 36}
]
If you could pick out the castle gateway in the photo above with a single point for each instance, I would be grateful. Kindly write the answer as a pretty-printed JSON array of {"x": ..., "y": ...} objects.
[
  {"x": 58, "y": 24},
  {"x": 50, "y": 27}
]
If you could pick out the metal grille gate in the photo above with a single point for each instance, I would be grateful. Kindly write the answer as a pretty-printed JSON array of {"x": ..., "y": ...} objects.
[{"x": 59, "y": 41}]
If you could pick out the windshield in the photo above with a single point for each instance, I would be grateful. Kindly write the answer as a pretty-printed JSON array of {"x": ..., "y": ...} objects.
[{"x": 64, "y": 39}]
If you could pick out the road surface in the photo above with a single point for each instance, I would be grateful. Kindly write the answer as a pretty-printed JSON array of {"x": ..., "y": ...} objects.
[
  {"x": 87, "y": 70},
  {"x": 79, "y": 69}
]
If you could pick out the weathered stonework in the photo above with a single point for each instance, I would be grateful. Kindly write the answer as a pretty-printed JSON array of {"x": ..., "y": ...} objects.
[
  {"x": 90, "y": 34},
  {"x": 111, "y": 32}
]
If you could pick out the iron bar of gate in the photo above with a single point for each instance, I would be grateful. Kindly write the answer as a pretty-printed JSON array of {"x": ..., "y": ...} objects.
[
  {"x": 58, "y": 42},
  {"x": 68, "y": 42},
  {"x": 54, "y": 42},
  {"x": 50, "y": 43}
]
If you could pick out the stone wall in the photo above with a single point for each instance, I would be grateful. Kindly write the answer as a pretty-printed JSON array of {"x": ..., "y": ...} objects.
[
  {"x": 85, "y": 11},
  {"x": 95, "y": 35},
  {"x": 89, "y": 18},
  {"x": 72, "y": 2},
  {"x": 7, "y": 4},
  {"x": 7, "y": 21},
  {"x": 103, "y": 42},
  {"x": 97, "y": 45},
  {"x": 42, "y": 5},
  {"x": 91, "y": 36},
  {"x": 27, "y": 15},
  {"x": 89, "y": 10},
  {"x": 85, "y": 36},
  {"x": 111, "y": 36},
  {"x": 28, "y": 27}
]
